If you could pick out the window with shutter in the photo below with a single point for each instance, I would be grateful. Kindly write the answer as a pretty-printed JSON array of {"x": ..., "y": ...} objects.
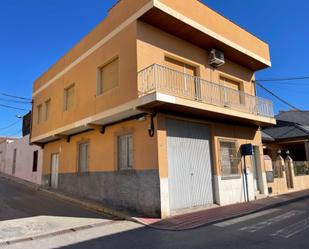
[
  {"x": 47, "y": 109},
  {"x": 125, "y": 152},
  {"x": 83, "y": 157},
  {"x": 235, "y": 95},
  {"x": 69, "y": 97},
  {"x": 40, "y": 114},
  {"x": 108, "y": 77}
]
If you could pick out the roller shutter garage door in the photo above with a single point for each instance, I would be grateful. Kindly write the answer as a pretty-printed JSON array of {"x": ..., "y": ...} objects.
[{"x": 189, "y": 165}]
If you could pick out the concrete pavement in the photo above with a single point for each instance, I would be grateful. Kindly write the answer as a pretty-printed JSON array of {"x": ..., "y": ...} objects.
[
  {"x": 26, "y": 213},
  {"x": 285, "y": 227}
]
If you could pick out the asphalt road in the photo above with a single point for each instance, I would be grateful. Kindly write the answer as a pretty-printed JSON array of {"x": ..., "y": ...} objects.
[
  {"x": 286, "y": 227},
  {"x": 18, "y": 201}
]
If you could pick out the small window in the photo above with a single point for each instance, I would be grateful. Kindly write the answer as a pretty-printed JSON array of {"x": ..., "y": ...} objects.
[
  {"x": 35, "y": 161},
  {"x": 47, "y": 110},
  {"x": 108, "y": 77},
  {"x": 69, "y": 97},
  {"x": 40, "y": 114},
  {"x": 83, "y": 157},
  {"x": 230, "y": 160},
  {"x": 125, "y": 152}
]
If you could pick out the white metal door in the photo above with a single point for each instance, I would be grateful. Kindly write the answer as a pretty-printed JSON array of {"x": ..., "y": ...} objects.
[
  {"x": 54, "y": 170},
  {"x": 189, "y": 164}
]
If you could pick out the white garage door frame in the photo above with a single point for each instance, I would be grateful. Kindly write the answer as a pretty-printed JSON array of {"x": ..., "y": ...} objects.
[{"x": 191, "y": 186}]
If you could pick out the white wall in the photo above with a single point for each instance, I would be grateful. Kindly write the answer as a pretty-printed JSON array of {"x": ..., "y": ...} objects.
[
  {"x": 3, "y": 154},
  {"x": 230, "y": 191},
  {"x": 24, "y": 160}
]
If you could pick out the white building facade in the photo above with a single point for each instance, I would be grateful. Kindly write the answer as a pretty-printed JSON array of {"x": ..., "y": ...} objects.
[{"x": 20, "y": 159}]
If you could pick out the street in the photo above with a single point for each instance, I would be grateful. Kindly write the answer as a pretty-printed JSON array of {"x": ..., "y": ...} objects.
[{"x": 283, "y": 227}]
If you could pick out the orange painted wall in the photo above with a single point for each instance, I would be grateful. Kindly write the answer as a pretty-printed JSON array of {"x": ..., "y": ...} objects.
[
  {"x": 103, "y": 149},
  {"x": 207, "y": 17},
  {"x": 117, "y": 15},
  {"x": 153, "y": 45},
  {"x": 84, "y": 76},
  {"x": 239, "y": 134},
  {"x": 137, "y": 47}
]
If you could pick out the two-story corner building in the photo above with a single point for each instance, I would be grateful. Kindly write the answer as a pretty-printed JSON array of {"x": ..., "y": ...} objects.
[{"x": 143, "y": 115}]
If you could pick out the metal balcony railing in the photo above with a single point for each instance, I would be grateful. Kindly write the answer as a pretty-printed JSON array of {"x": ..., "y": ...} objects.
[
  {"x": 157, "y": 78},
  {"x": 301, "y": 168}
]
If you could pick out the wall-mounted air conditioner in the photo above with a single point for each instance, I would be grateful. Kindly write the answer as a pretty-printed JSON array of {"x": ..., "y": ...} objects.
[{"x": 216, "y": 58}]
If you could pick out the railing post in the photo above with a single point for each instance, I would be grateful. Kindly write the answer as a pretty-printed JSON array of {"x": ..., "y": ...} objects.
[
  {"x": 289, "y": 170},
  {"x": 279, "y": 165},
  {"x": 197, "y": 83},
  {"x": 155, "y": 80}
]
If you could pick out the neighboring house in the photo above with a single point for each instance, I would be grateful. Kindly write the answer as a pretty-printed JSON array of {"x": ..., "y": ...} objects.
[
  {"x": 142, "y": 115},
  {"x": 19, "y": 158},
  {"x": 4, "y": 142},
  {"x": 288, "y": 139},
  {"x": 290, "y": 134}
]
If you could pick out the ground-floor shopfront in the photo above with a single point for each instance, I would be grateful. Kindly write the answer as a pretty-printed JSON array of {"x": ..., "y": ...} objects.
[{"x": 182, "y": 164}]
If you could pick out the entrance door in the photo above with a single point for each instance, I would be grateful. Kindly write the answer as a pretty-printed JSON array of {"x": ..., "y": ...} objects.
[
  {"x": 256, "y": 165},
  {"x": 189, "y": 165},
  {"x": 54, "y": 170}
]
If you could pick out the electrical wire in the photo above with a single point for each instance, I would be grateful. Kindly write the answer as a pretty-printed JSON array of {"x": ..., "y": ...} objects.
[
  {"x": 13, "y": 107},
  {"x": 14, "y": 96},
  {"x": 284, "y": 79},
  {"x": 277, "y": 96},
  {"x": 15, "y": 101}
]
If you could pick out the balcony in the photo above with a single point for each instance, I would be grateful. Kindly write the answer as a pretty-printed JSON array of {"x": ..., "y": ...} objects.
[{"x": 163, "y": 80}]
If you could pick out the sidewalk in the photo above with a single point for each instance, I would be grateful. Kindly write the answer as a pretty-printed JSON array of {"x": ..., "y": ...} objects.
[
  {"x": 180, "y": 222},
  {"x": 219, "y": 214}
]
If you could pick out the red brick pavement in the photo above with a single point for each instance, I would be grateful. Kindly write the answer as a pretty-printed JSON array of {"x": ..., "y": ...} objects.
[{"x": 219, "y": 214}]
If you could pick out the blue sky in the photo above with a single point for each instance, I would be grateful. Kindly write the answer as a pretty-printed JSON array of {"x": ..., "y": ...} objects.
[{"x": 35, "y": 33}]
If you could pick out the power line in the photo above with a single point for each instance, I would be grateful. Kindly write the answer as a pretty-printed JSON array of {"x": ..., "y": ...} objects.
[
  {"x": 15, "y": 101},
  {"x": 276, "y": 96},
  {"x": 288, "y": 83},
  {"x": 284, "y": 79},
  {"x": 14, "y": 96},
  {"x": 13, "y": 107}
]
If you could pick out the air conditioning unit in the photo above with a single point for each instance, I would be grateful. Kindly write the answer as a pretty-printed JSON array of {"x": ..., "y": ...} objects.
[{"x": 216, "y": 58}]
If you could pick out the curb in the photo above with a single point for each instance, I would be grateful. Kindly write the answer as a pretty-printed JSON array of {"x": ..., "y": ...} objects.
[
  {"x": 270, "y": 206},
  {"x": 60, "y": 232}
]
